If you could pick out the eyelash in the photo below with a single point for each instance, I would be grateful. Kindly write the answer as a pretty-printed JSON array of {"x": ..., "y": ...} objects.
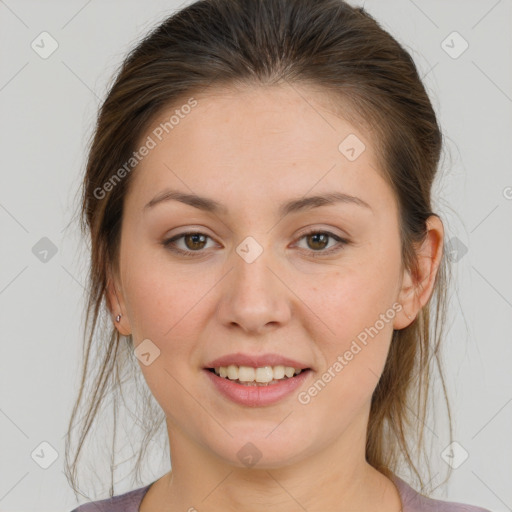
[{"x": 316, "y": 254}]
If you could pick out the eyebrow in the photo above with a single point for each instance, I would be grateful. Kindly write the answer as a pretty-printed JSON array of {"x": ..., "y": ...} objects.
[{"x": 210, "y": 205}]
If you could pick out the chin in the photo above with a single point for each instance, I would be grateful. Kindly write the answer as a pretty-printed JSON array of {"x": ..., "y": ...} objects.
[{"x": 261, "y": 450}]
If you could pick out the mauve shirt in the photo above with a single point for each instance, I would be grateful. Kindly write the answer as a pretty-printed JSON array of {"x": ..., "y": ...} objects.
[{"x": 412, "y": 501}]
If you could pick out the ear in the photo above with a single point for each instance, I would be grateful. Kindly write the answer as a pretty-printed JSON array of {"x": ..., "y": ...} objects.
[
  {"x": 116, "y": 306},
  {"x": 416, "y": 289}
]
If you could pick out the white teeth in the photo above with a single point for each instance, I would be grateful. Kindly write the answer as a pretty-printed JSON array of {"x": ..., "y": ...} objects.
[
  {"x": 264, "y": 374},
  {"x": 232, "y": 372},
  {"x": 246, "y": 374},
  {"x": 278, "y": 372},
  {"x": 289, "y": 371}
]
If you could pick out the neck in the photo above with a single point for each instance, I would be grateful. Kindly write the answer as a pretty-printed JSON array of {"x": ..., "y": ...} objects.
[{"x": 335, "y": 478}]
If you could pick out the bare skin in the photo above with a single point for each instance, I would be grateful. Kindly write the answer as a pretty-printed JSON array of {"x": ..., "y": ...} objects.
[{"x": 252, "y": 150}]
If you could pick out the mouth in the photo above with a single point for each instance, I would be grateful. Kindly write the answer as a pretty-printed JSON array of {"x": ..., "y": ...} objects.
[
  {"x": 256, "y": 386},
  {"x": 260, "y": 376}
]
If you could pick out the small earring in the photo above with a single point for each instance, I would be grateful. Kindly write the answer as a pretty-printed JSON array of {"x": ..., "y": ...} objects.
[{"x": 118, "y": 318}]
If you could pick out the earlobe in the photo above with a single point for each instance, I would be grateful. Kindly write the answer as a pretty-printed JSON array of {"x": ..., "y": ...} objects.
[
  {"x": 417, "y": 289},
  {"x": 116, "y": 309}
]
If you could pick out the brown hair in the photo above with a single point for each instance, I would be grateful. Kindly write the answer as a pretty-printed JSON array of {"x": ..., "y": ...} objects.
[{"x": 342, "y": 51}]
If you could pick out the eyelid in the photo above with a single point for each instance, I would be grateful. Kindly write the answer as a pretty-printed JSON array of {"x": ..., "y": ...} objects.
[
  {"x": 341, "y": 242},
  {"x": 168, "y": 243}
]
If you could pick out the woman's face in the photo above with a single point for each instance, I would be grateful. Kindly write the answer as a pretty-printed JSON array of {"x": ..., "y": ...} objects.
[{"x": 261, "y": 279}]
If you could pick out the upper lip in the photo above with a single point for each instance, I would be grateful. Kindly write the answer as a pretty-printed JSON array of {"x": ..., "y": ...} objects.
[{"x": 256, "y": 361}]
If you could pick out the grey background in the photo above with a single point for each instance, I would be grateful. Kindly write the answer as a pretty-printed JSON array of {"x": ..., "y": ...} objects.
[{"x": 48, "y": 109}]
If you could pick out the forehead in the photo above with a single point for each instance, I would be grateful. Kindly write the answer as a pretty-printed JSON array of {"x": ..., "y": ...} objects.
[
  {"x": 258, "y": 118},
  {"x": 255, "y": 139}
]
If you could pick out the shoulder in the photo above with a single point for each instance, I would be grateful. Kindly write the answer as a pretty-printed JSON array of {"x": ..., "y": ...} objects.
[
  {"x": 413, "y": 501},
  {"x": 127, "y": 502}
]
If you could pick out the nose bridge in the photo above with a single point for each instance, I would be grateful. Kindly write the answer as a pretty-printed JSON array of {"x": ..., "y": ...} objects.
[
  {"x": 255, "y": 296},
  {"x": 252, "y": 274}
]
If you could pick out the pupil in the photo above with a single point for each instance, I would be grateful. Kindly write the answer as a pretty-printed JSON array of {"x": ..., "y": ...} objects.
[
  {"x": 316, "y": 236},
  {"x": 194, "y": 237}
]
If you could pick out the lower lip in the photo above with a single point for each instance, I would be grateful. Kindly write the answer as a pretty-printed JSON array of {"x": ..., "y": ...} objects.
[{"x": 255, "y": 396}]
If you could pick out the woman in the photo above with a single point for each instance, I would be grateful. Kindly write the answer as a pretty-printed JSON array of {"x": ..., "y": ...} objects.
[{"x": 258, "y": 199}]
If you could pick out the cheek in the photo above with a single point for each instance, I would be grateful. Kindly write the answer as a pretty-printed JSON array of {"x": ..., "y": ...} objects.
[
  {"x": 165, "y": 307},
  {"x": 162, "y": 298},
  {"x": 357, "y": 293},
  {"x": 355, "y": 305}
]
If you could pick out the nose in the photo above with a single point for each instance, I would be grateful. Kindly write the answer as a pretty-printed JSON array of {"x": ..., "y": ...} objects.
[{"x": 255, "y": 297}]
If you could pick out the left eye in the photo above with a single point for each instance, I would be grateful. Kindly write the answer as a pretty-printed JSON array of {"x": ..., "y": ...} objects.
[
  {"x": 195, "y": 242},
  {"x": 320, "y": 240}
]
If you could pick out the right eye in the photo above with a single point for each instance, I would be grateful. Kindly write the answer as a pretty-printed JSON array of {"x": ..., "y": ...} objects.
[{"x": 194, "y": 240}]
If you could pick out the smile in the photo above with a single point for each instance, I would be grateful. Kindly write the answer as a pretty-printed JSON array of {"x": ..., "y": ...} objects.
[{"x": 243, "y": 387}]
